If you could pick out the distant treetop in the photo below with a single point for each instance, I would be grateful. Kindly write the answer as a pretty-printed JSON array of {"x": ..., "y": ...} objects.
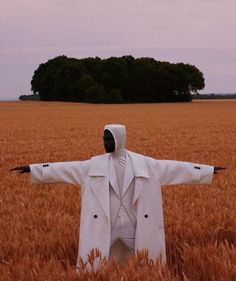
[{"x": 115, "y": 80}]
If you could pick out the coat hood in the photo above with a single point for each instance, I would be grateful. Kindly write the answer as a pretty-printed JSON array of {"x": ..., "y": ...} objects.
[{"x": 119, "y": 134}]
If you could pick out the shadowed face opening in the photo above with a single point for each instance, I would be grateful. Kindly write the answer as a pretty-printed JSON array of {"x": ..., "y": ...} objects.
[{"x": 109, "y": 142}]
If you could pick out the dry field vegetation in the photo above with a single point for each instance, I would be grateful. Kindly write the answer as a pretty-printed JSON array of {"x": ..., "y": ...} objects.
[{"x": 39, "y": 224}]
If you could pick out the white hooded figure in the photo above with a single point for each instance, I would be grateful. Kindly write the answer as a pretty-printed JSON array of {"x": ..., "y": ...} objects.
[
  {"x": 121, "y": 210},
  {"x": 123, "y": 221}
]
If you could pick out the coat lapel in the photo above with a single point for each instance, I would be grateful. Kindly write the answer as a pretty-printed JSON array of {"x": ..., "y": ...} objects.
[
  {"x": 128, "y": 174},
  {"x": 98, "y": 173},
  {"x": 100, "y": 186},
  {"x": 140, "y": 171},
  {"x": 113, "y": 177},
  {"x": 138, "y": 189}
]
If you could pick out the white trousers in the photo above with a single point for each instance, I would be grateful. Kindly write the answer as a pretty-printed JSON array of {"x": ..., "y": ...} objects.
[{"x": 122, "y": 238}]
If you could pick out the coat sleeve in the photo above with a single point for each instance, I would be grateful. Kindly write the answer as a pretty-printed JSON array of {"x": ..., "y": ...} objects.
[
  {"x": 176, "y": 172},
  {"x": 73, "y": 172}
]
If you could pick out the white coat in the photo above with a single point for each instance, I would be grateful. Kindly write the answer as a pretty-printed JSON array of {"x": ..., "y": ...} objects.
[{"x": 147, "y": 177}]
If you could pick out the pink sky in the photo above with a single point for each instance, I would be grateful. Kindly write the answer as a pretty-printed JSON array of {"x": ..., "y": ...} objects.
[{"x": 199, "y": 32}]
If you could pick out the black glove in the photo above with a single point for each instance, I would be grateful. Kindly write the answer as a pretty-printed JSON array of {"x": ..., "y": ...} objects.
[
  {"x": 217, "y": 169},
  {"x": 22, "y": 169}
]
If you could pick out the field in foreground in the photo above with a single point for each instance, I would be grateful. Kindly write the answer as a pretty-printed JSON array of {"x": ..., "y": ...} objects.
[{"x": 39, "y": 224}]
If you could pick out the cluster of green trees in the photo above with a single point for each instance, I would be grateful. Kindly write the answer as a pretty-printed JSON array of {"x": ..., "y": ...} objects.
[
  {"x": 115, "y": 80},
  {"x": 29, "y": 97}
]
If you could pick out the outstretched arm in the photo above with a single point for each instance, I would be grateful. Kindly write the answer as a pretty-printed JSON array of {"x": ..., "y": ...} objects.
[
  {"x": 176, "y": 172},
  {"x": 59, "y": 172}
]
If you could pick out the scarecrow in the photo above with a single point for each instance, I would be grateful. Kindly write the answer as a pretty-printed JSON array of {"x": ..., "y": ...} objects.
[{"x": 121, "y": 195}]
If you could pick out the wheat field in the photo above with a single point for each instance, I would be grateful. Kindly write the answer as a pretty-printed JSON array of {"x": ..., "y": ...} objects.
[{"x": 39, "y": 224}]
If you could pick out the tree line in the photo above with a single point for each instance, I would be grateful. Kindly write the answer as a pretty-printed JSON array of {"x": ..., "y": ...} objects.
[{"x": 115, "y": 80}]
